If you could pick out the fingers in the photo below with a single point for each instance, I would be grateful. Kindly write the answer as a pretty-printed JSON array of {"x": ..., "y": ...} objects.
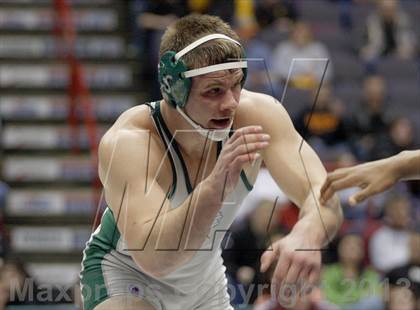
[
  {"x": 314, "y": 276},
  {"x": 279, "y": 274},
  {"x": 241, "y": 148},
  {"x": 327, "y": 183},
  {"x": 336, "y": 185},
  {"x": 362, "y": 195},
  {"x": 245, "y": 143},
  {"x": 299, "y": 277},
  {"x": 247, "y": 135},
  {"x": 302, "y": 280},
  {"x": 236, "y": 165},
  {"x": 249, "y": 148},
  {"x": 333, "y": 176},
  {"x": 267, "y": 259},
  {"x": 244, "y": 131},
  {"x": 293, "y": 272}
]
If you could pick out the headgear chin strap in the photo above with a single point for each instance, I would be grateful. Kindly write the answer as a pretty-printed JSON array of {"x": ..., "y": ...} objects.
[{"x": 212, "y": 134}]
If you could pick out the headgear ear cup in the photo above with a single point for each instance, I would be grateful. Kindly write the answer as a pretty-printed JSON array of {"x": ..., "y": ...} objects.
[
  {"x": 175, "y": 78},
  {"x": 173, "y": 85}
]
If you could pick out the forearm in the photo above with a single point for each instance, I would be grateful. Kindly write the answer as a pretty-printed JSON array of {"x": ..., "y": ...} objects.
[
  {"x": 319, "y": 222},
  {"x": 406, "y": 165},
  {"x": 176, "y": 234}
]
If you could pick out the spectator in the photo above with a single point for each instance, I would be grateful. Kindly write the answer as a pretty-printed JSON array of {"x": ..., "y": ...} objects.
[
  {"x": 152, "y": 20},
  {"x": 324, "y": 125},
  {"x": 259, "y": 55},
  {"x": 305, "y": 73},
  {"x": 404, "y": 285},
  {"x": 13, "y": 286},
  {"x": 401, "y": 298},
  {"x": 399, "y": 137},
  {"x": 348, "y": 284},
  {"x": 374, "y": 116},
  {"x": 394, "y": 245},
  {"x": 244, "y": 246},
  {"x": 281, "y": 13},
  {"x": 389, "y": 32},
  {"x": 371, "y": 118},
  {"x": 155, "y": 16}
]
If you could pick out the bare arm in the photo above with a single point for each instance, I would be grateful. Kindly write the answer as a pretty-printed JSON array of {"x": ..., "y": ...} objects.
[
  {"x": 161, "y": 238},
  {"x": 300, "y": 174},
  {"x": 373, "y": 177}
]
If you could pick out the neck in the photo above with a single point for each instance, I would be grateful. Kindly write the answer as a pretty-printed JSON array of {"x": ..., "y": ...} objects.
[{"x": 188, "y": 140}]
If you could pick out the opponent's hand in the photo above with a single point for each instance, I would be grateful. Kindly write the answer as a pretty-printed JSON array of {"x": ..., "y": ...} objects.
[
  {"x": 373, "y": 177},
  {"x": 296, "y": 270},
  {"x": 241, "y": 148}
]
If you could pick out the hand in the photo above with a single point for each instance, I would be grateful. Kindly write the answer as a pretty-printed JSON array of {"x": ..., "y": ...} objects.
[
  {"x": 242, "y": 147},
  {"x": 295, "y": 271},
  {"x": 373, "y": 177}
]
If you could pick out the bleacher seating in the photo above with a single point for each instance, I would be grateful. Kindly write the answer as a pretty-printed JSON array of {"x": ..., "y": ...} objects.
[{"x": 51, "y": 205}]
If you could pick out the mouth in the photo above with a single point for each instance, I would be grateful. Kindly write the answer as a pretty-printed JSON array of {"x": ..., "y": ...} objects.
[{"x": 220, "y": 123}]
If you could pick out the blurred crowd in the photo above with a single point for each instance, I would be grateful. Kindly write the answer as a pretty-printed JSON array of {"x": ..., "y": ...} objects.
[{"x": 374, "y": 263}]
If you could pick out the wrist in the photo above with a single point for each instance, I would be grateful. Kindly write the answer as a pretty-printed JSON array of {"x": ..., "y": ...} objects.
[
  {"x": 314, "y": 235},
  {"x": 399, "y": 166},
  {"x": 209, "y": 190}
]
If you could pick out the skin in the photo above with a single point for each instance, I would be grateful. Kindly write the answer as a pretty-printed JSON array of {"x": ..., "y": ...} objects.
[
  {"x": 124, "y": 302},
  {"x": 373, "y": 177},
  {"x": 264, "y": 130}
]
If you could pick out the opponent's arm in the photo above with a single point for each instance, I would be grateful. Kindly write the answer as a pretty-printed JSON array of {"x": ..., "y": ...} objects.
[
  {"x": 373, "y": 177},
  {"x": 300, "y": 174},
  {"x": 161, "y": 238}
]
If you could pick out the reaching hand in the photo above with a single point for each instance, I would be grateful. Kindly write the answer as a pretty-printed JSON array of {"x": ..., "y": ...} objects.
[{"x": 373, "y": 177}]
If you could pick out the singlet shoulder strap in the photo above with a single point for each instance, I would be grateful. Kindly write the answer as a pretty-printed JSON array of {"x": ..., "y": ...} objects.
[
  {"x": 244, "y": 178},
  {"x": 155, "y": 107},
  {"x": 175, "y": 146}
]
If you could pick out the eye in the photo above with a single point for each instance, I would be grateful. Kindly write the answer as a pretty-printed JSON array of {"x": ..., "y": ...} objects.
[{"x": 214, "y": 91}]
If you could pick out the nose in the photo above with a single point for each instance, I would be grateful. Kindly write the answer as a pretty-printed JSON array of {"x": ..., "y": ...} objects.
[{"x": 230, "y": 101}]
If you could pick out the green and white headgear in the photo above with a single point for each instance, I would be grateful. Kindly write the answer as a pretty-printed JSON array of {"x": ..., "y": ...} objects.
[{"x": 175, "y": 79}]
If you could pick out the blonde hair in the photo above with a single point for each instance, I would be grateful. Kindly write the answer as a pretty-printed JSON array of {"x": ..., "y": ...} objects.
[{"x": 192, "y": 27}]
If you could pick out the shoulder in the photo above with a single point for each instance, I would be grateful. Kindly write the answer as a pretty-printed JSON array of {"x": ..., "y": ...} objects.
[
  {"x": 256, "y": 101},
  {"x": 127, "y": 142},
  {"x": 129, "y": 127},
  {"x": 259, "y": 109}
]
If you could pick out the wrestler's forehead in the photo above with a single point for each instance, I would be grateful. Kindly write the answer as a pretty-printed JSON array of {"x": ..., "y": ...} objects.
[{"x": 223, "y": 76}]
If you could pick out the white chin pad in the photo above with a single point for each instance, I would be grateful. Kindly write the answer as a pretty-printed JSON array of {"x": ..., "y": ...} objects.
[
  {"x": 212, "y": 134},
  {"x": 218, "y": 134}
]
